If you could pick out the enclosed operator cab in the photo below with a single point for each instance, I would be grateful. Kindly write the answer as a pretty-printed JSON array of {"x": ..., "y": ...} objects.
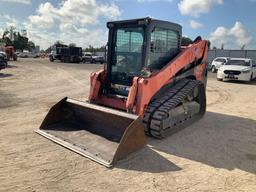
[{"x": 138, "y": 48}]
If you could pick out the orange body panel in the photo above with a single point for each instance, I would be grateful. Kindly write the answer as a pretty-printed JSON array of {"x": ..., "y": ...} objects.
[
  {"x": 113, "y": 102},
  {"x": 10, "y": 52},
  {"x": 147, "y": 88},
  {"x": 143, "y": 89},
  {"x": 132, "y": 94},
  {"x": 95, "y": 84}
]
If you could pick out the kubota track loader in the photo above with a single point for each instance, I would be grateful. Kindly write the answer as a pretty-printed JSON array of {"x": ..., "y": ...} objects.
[{"x": 149, "y": 86}]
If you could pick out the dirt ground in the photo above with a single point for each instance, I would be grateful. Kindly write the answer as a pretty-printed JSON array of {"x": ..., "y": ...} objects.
[{"x": 218, "y": 153}]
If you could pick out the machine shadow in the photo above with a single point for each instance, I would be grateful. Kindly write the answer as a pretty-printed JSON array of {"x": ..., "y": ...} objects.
[
  {"x": 218, "y": 140},
  {"x": 11, "y": 66},
  {"x": 4, "y": 75},
  {"x": 8, "y": 100},
  {"x": 147, "y": 160}
]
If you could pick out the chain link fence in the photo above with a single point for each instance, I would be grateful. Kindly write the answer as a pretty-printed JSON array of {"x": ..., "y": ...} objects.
[{"x": 212, "y": 54}]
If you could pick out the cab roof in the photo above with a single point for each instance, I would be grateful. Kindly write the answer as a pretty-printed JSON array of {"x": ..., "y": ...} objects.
[
  {"x": 241, "y": 59},
  {"x": 222, "y": 58},
  {"x": 145, "y": 21}
]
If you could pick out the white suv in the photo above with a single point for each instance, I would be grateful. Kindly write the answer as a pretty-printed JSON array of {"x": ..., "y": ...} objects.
[
  {"x": 241, "y": 69},
  {"x": 218, "y": 62}
]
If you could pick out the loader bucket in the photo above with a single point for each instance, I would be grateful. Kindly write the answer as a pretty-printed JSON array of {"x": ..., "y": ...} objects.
[{"x": 101, "y": 134}]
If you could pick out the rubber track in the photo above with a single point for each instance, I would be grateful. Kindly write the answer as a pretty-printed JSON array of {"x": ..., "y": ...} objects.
[{"x": 158, "y": 110}]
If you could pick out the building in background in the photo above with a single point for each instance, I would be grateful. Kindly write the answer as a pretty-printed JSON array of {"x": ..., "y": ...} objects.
[{"x": 37, "y": 49}]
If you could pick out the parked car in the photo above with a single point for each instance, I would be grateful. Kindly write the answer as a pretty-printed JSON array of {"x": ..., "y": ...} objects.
[
  {"x": 91, "y": 58},
  {"x": 23, "y": 55},
  {"x": 242, "y": 69},
  {"x": 218, "y": 62},
  {"x": 3, "y": 60},
  {"x": 3, "y": 54},
  {"x": 28, "y": 55}
]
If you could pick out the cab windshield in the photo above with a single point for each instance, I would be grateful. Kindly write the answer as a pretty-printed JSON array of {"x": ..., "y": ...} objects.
[
  {"x": 238, "y": 62},
  {"x": 127, "y": 53}
]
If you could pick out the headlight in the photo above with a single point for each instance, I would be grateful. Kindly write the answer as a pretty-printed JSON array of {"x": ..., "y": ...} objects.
[
  {"x": 246, "y": 71},
  {"x": 220, "y": 69}
]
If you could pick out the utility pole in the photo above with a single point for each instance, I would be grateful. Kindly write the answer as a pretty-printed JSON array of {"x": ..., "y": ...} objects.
[
  {"x": 12, "y": 28},
  {"x": 222, "y": 46},
  {"x": 24, "y": 32}
]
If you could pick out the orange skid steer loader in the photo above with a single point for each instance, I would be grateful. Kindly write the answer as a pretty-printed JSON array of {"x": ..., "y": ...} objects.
[
  {"x": 150, "y": 86},
  {"x": 10, "y": 53}
]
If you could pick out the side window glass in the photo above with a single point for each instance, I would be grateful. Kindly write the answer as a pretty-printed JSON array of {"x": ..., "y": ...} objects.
[
  {"x": 253, "y": 63},
  {"x": 164, "y": 46},
  {"x": 128, "y": 50},
  {"x": 129, "y": 41},
  {"x": 223, "y": 61}
]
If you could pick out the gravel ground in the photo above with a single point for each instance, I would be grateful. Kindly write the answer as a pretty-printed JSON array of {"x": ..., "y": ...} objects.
[{"x": 218, "y": 153}]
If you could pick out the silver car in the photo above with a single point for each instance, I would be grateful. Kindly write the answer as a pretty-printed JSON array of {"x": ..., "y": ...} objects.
[{"x": 218, "y": 62}]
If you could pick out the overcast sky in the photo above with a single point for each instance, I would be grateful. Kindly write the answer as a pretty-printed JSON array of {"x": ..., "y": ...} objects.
[{"x": 232, "y": 22}]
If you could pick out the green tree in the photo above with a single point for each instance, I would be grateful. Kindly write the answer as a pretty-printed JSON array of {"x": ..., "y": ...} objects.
[
  {"x": 209, "y": 44},
  {"x": 19, "y": 41},
  {"x": 59, "y": 44},
  {"x": 72, "y": 45},
  {"x": 185, "y": 41},
  {"x": 31, "y": 45},
  {"x": 93, "y": 49},
  {"x": 89, "y": 49},
  {"x": 48, "y": 50},
  {"x": 6, "y": 38}
]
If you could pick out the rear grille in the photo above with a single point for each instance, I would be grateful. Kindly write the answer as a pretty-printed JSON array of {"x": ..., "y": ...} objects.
[{"x": 232, "y": 72}]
